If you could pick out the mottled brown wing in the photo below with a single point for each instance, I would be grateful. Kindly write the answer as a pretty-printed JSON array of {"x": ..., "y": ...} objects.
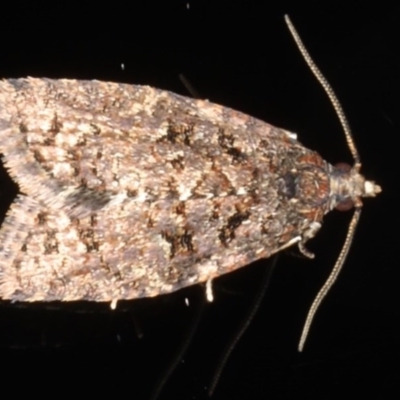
[
  {"x": 87, "y": 143},
  {"x": 130, "y": 251},
  {"x": 130, "y": 191}
]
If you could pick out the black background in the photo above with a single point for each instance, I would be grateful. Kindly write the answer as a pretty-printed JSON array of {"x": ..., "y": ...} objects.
[{"x": 239, "y": 54}]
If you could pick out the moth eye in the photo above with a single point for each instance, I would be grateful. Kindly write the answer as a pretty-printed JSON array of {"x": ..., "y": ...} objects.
[
  {"x": 343, "y": 167},
  {"x": 345, "y": 205}
]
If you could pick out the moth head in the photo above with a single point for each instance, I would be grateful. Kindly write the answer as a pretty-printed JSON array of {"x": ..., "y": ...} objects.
[{"x": 348, "y": 186}]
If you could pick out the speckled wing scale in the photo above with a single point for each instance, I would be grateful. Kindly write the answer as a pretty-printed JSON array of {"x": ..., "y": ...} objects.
[{"x": 129, "y": 191}]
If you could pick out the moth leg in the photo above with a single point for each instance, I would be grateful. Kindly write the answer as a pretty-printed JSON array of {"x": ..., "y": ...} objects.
[
  {"x": 113, "y": 304},
  {"x": 209, "y": 291},
  {"x": 303, "y": 250},
  {"x": 309, "y": 233}
]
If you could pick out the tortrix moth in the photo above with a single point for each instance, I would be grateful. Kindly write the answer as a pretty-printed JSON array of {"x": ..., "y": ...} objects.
[{"x": 128, "y": 191}]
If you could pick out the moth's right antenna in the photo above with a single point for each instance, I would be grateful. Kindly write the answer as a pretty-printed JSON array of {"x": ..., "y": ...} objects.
[{"x": 370, "y": 188}]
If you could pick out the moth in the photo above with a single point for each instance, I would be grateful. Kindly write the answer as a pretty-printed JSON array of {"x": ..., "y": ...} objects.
[{"x": 128, "y": 191}]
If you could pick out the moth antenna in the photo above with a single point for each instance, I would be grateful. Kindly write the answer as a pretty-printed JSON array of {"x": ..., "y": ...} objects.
[
  {"x": 357, "y": 165},
  {"x": 242, "y": 328},
  {"x": 331, "y": 279},
  {"x": 329, "y": 91}
]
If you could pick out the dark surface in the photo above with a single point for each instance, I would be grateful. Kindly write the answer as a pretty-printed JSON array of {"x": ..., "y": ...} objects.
[{"x": 241, "y": 55}]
